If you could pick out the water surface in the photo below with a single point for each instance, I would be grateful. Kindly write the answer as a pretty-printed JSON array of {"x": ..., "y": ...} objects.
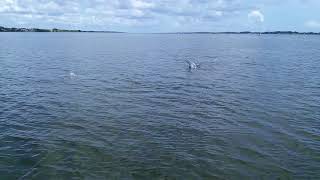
[{"x": 125, "y": 106}]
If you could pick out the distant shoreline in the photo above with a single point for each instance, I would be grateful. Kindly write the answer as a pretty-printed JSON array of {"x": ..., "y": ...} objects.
[
  {"x": 249, "y": 32},
  {"x": 4, "y": 29}
]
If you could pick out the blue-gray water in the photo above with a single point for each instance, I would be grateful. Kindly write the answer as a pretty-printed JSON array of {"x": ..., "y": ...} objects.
[{"x": 125, "y": 106}]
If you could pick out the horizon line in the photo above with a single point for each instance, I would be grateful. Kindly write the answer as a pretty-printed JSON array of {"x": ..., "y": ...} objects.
[{"x": 33, "y": 29}]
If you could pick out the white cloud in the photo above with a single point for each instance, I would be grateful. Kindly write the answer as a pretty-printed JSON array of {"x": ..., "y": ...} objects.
[
  {"x": 312, "y": 24},
  {"x": 141, "y": 4},
  {"x": 128, "y": 12},
  {"x": 256, "y": 16}
]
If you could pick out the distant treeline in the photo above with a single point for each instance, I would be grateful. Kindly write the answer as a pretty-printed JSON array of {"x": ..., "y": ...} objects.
[{"x": 4, "y": 29}]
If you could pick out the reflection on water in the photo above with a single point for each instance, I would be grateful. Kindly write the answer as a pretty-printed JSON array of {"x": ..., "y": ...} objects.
[{"x": 126, "y": 106}]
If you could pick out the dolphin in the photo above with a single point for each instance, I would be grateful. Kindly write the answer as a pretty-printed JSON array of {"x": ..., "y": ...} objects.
[{"x": 192, "y": 65}]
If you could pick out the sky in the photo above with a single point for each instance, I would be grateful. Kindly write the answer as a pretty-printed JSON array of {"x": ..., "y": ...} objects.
[{"x": 163, "y": 15}]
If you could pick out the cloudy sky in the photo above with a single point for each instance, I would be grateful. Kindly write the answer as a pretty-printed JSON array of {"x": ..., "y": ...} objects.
[{"x": 163, "y": 15}]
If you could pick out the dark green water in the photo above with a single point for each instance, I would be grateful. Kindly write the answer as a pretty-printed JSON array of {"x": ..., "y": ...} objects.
[{"x": 125, "y": 106}]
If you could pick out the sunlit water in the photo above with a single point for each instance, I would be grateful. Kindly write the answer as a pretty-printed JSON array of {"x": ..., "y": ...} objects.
[{"x": 126, "y": 106}]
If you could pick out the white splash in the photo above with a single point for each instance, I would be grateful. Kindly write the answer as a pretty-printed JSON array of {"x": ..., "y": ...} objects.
[{"x": 72, "y": 74}]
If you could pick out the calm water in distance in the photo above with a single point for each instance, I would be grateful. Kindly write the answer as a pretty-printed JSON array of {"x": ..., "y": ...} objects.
[{"x": 125, "y": 106}]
